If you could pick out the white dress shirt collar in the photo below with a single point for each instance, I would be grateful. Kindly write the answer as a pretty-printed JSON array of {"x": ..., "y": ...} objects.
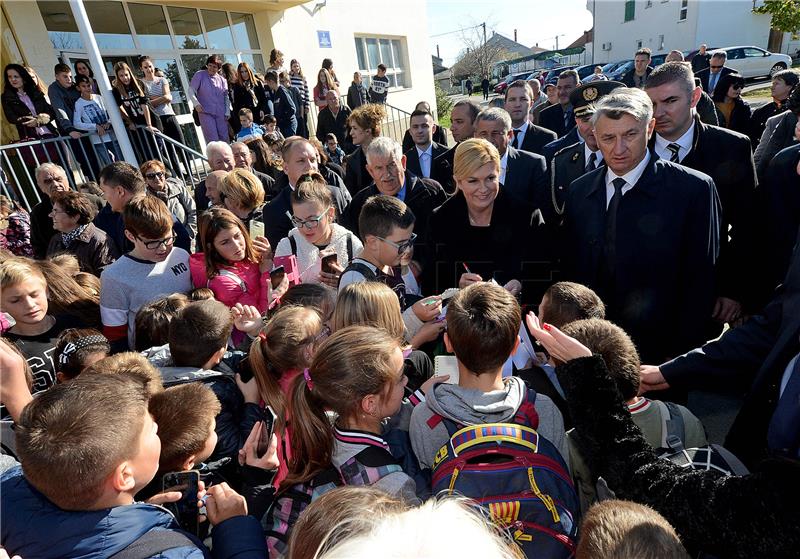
[
  {"x": 631, "y": 177},
  {"x": 503, "y": 164},
  {"x": 685, "y": 142}
]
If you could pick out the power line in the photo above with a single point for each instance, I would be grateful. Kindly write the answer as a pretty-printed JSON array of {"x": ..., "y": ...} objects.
[{"x": 456, "y": 31}]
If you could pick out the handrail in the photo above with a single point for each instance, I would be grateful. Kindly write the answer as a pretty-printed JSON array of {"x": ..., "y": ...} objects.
[
  {"x": 395, "y": 124},
  {"x": 82, "y": 158}
]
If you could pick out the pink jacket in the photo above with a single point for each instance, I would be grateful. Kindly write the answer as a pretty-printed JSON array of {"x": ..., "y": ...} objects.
[{"x": 229, "y": 289}]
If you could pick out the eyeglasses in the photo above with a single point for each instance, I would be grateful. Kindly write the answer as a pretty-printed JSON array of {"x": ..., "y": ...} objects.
[
  {"x": 715, "y": 67},
  {"x": 405, "y": 246},
  {"x": 311, "y": 222},
  {"x": 153, "y": 245},
  {"x": 156, "y": 175}
]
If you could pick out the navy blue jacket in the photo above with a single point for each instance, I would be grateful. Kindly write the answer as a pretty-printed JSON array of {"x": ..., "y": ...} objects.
[
  {"x": 526, "y": 178},
  {"x": 667, "y": 243},
  {"x": 549, "y": 150},
  {"x": 285, "y": 110},
  {"x": 34, "y": 527}
]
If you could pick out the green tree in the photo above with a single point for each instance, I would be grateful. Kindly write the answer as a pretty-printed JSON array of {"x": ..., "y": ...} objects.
[
  {"x": 785, "y": 14},
  {"x": 443, "y": 103}
]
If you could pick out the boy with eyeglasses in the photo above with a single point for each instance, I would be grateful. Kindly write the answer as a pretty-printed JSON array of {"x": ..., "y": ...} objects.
[
  {"x": 153, "y": 268},
  {"x": 387, "y": 231}
]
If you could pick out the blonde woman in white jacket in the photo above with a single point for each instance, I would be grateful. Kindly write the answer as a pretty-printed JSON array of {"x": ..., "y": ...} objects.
[{"x": 315, "y": 233}]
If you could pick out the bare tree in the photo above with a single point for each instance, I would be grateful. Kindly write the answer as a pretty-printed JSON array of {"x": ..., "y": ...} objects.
[{"x": 478, "y": 57}]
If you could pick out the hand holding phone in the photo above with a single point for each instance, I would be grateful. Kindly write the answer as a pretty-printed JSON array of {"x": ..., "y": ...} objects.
[
  {"x": 268, "y": 418},
  {"x": 185, "y": 509},
  {"x": 256, "y": 228},
  {"x": 327, "y": 263}
]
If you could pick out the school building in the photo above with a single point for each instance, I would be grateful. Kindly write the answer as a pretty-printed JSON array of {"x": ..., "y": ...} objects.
[{"x": 179, "y": 34}]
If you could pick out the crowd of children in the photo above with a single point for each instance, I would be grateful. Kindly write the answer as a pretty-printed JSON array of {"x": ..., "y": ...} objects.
[{"x": 309, "y": 401}]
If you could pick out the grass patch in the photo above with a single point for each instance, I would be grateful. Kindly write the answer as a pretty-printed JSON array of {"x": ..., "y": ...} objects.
[
  {"x": 760, "y": 92},
  {"x": 445, "y": 120}
]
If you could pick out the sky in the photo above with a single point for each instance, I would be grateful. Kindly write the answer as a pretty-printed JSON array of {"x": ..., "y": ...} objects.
[{"x": 536, "y": 21}]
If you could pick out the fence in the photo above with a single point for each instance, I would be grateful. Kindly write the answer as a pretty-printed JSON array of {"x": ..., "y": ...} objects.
[
  {"x": 82, "y": 158},
  {"x": 395, "y": 124}
]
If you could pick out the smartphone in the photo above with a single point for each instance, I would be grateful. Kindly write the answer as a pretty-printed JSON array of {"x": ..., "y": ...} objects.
[
  {"x": 185, "y": 510},
  {"x": 256, "y": 228},
  {"x": 276, "y": 276},
  {"x": 268, "y": 418},
  {"x": 327, "y": 263}
]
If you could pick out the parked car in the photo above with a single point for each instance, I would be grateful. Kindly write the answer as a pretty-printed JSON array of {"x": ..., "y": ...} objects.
[
  {"x": 536, "y": 75},
  {"x": 752, "y": 62},
  {"x": 585, "y": 71},
  {"x": 620, "y": 70},
  {"x": 611, "y": 66},
  {"x": 501, "y": 87},
  {"x": 552, "y": 75}
]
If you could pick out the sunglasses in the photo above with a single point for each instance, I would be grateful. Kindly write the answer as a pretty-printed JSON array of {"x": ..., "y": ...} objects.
[
  {"x": 715, "y": 67},
  {"x": 405, "y": 246},
  {"x": 153, "y": 245},
  {"x": 156, "y": 175}
]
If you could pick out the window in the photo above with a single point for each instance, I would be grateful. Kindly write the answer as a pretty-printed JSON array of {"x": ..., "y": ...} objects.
[
  {"x": 661, "y": 42},
  {"x": 754, "y": 53},
  {"x": 255, "y": 61},
  {"x": 110, "y": 25},
  {"x": 244, "y": 31},
  {"x": 186, "y": 26},
  {"x": 151, "y": 26},
  {"x": 218, "y": 29},
  {"x": 630, "y": 9},
  {"x": 735, "y": 54},
  {"x": 61, "y": 26},
  {"x": 684, "y": 10},
  {"x": 639, "y": 44},
  {"x": 372, "y": 51}
]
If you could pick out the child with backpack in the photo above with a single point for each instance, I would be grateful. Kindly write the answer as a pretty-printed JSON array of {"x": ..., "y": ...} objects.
[
  {"x": 357, "y": 374},
  {"x": 234, "y": 266},
  {"x": 456, "y": 431},
  {"x": 316, "y": 234}
]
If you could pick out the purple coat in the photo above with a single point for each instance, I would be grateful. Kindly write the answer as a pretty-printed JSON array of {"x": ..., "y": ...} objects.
[{"x": 211, "y": 92}]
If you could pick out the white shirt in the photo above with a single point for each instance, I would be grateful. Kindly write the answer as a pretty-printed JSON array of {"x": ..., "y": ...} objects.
[
  {"x": 631, "y": 178},
  {"x": 587, "y": 152},
  {"x": 686, "y": 141},
  {"x": 503, "y": 163},
  {"x": 425, "y": 159},
  {"x": 521, "y": 136}
]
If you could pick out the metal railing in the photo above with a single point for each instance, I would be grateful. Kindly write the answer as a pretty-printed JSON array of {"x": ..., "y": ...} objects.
[
  {"x": 395, "y": 124},
  {"x": 83, "y": 159}
]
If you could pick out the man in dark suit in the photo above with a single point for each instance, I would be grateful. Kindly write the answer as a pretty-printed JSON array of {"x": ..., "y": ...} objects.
[
  {"x": 726, "y": 157},
  {"x": 220, "y": 158},
  {"x": 243, "y": 159},
  {"x": 299, "y": 158},
  {"x": 701, "y": 60},
  {"x": 571, "y": 162},
  {"x": 387, "y": 166},
  {"x": 716, "y": 69},
  {"x": 333, "y": 120},
  {"x": 462, "y": 126},
  {"x": 636, "y": 76},
  {"x": 523, "y": 175},
  {"x": 421, "y": 159},
  {"x": 559, "y": 117},
  {"x": 762, "y": 354},
  {"x": 643, "y": 233},
  {"x": 527, "y": 136}
]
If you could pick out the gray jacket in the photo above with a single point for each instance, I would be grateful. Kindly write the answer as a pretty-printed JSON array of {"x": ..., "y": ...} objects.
[
  {"x": 471, "y": 407},
  {"x": 63, "y": 101},
  {"x": 180, "y": 203}
]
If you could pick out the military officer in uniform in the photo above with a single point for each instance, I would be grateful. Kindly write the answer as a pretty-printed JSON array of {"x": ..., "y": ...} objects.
[{"x": 577, "y": 159}]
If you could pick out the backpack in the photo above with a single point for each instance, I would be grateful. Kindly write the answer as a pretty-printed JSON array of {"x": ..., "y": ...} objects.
[
  {"x": 709, "y": 457},
  {"x": 515, "y": 475},
  {"x": 365, "y": 468}
]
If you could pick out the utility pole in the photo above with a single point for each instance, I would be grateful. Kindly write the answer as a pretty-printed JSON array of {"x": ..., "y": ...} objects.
[{"x": 484, "y": 32}]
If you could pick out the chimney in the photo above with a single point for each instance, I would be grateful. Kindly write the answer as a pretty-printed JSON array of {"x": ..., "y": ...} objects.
[
  {"x": 437, "y": 52},
  {"x": 515, "y": 35}
]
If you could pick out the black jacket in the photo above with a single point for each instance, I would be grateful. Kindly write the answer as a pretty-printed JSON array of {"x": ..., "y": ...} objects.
[
  {"x": 552, "y": 118},
  {"x": 750, "y": 357},
  {"x": 15, "y": 110},
  {"x": 740, "y": 118},
  {"x": 356, "y": 95},
  {"x": 667, "y": 243},
  {"x": 244, "y": 99},
  {"x": 111, "y": 222},
  {"x": 278, "y": 223},
  {"x": 567, "y": 165},
  {"x": 284, "y": 108},
  {"x": 704, "y": 76},
  {"x": 356, "y": 175},
  {"x": 443, "y": 170},
  {"x": 758, "y": 120},
  {"x": 728, "y": 517},
  {"x": 526, "y": 178},
  {"x": 536, "y": 137},
  {"x": 629, "y": 76},
  {"x": 516, "y": 245},
  {"x": 725, "y": 156},
  {"x": 423, "y": 196},
  {"x": 326, "y": 123},
  {"x": 412, "y": 159},
  {"x": 439, "y": 137},
  {"x": 551, "y": 148}
]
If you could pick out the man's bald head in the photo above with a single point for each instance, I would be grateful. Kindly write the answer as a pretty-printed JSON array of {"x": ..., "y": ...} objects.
[{"x": 332, "y": 99}]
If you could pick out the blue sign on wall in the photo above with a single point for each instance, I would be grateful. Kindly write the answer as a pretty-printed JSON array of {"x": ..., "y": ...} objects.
[{"x": 324, "y": 38}]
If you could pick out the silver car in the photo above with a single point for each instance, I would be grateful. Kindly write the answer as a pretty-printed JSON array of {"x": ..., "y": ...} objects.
[{"x": 752, "y": 62}]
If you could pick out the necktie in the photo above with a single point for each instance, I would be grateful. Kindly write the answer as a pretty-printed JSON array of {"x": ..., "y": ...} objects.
[
  {"x": 607, "y": 268},
  {"x": 567, "y": 118},
  {"x": 783, "y": 435},
  {"x": 591, "y": 165},
  {"x": 515, "y": 143},
  {"x": 712, "y": 82},
  {"x": 675, "y": 149}
]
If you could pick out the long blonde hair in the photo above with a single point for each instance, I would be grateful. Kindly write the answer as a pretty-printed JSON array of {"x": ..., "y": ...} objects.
[
  {"x": 369, "y": 303},
  {"x": 135, "y": 85}
]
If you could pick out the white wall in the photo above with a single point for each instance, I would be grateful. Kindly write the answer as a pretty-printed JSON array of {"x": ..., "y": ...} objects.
[
  {"x": 26, "y": 20},
  {"x": 732, "y": 22},
  {"x": 294, "y": 31}
]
